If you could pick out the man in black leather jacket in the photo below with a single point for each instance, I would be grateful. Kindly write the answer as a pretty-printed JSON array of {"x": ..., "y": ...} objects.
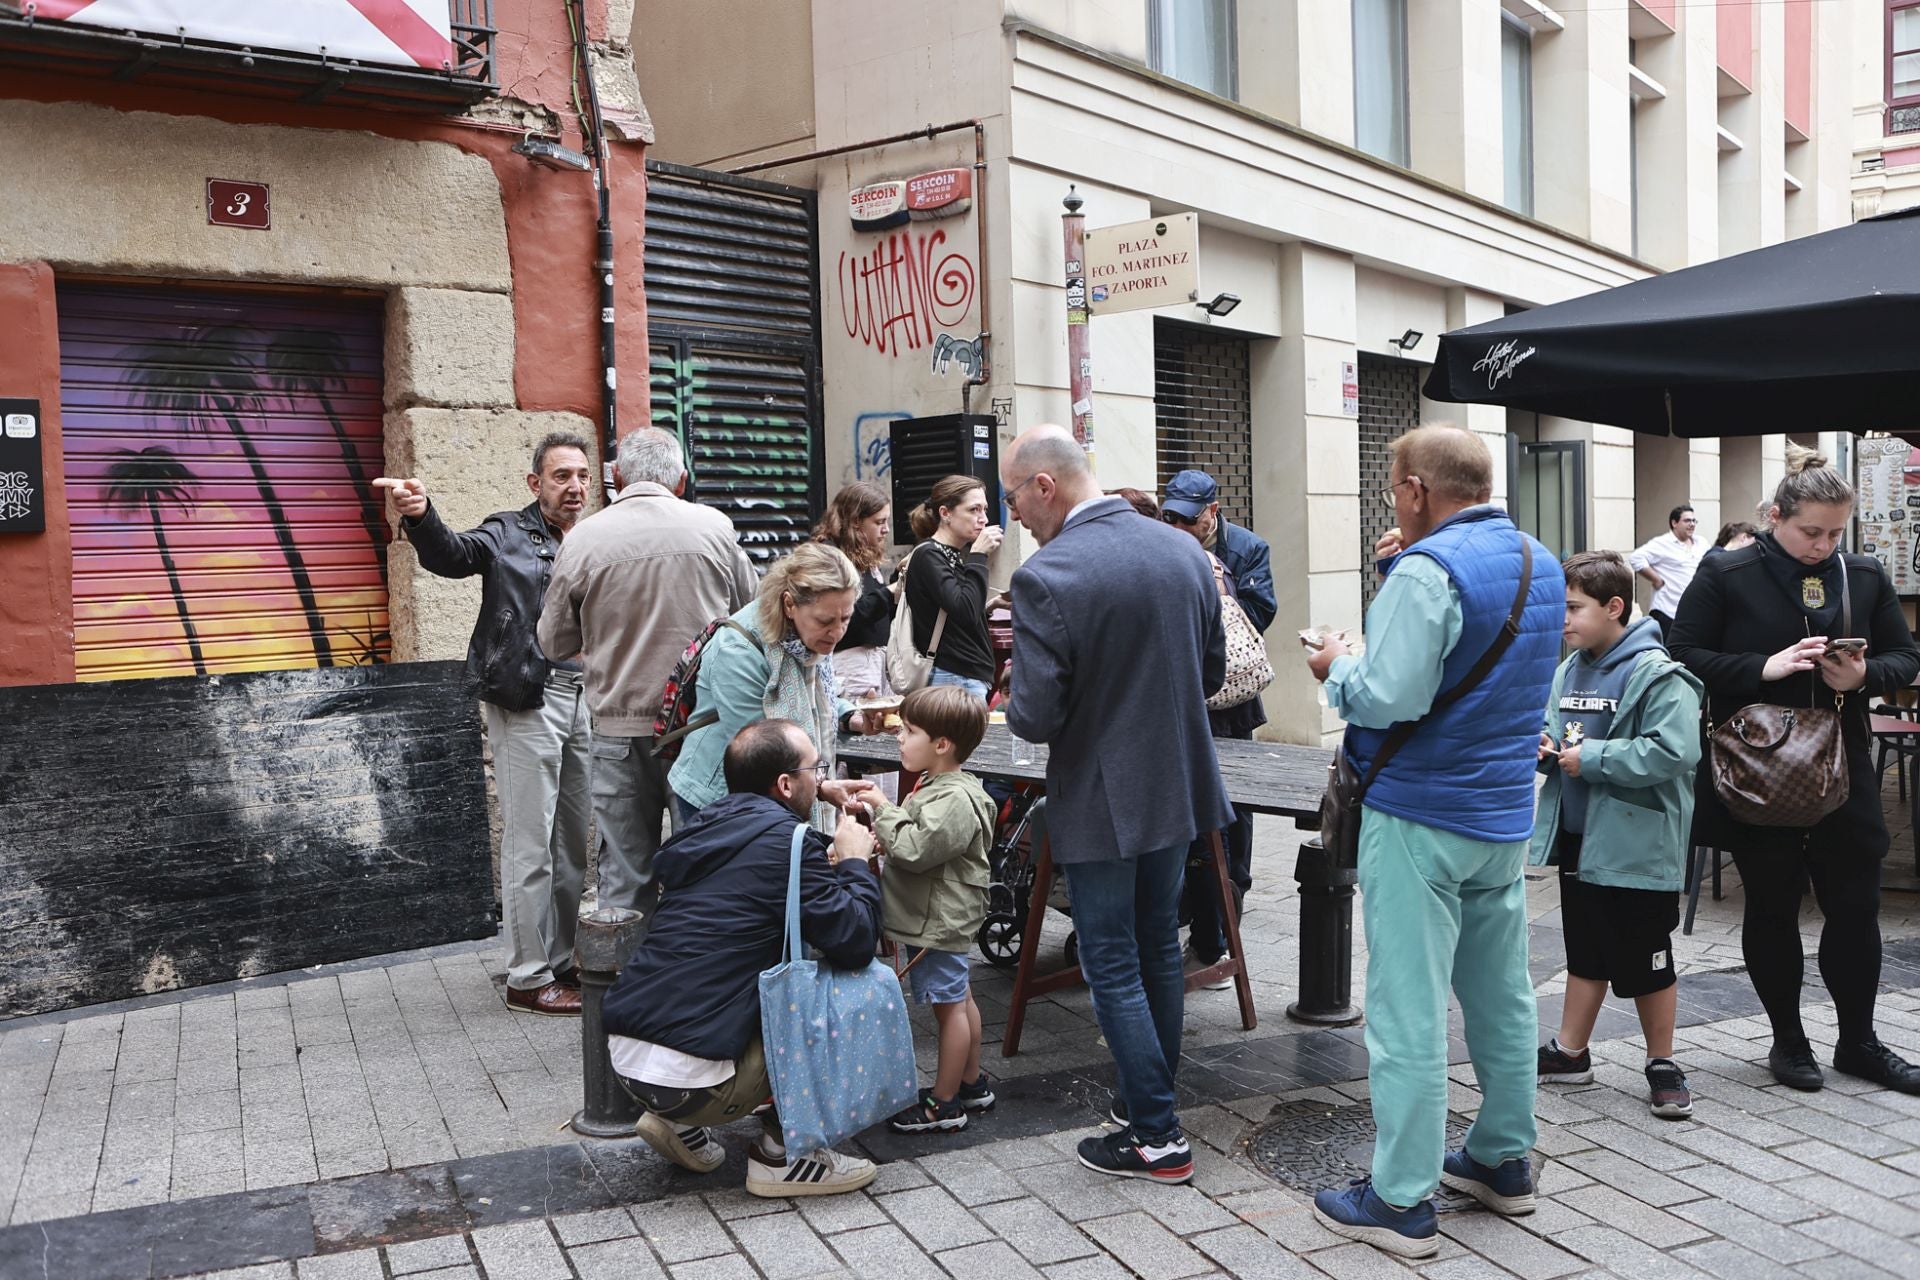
[{"x": 536, "y": 712}]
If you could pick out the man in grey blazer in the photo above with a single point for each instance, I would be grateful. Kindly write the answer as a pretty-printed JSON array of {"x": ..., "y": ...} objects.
[{"x": 1117, "y": 641}]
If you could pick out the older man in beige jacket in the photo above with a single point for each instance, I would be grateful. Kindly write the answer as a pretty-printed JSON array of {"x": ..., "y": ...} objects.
[{"x": 634, "y": 583}]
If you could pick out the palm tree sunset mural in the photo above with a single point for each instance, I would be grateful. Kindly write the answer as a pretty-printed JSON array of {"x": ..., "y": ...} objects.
[
  {"x": 245, "y": 428},
  {"x": 149, "y": 482}
]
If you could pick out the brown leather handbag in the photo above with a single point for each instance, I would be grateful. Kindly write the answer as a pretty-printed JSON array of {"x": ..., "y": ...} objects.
[{"x": 1777, "y": 766}]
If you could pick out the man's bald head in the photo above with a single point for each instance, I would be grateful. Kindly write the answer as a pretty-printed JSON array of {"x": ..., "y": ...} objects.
[
  {"x": 1044, "y": 475},
  {"x": 1050, "y": 448}
]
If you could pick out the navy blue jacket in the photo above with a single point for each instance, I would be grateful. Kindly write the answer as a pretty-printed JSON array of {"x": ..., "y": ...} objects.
[
  {"x": 693, "y": 984},
  {"x": 1117, "y": 642},
  {"x": 1248, "y": 559}
]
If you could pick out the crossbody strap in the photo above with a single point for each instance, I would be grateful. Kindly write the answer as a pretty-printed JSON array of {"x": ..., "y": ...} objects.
[
  {"x": 939, "y": 623},
  {"x": 793, "y": 951},
  {"x": 1502, "y": 641}
]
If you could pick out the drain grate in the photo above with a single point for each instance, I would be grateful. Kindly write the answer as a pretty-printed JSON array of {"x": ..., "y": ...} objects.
[{"x": 1309, "y": 1145}]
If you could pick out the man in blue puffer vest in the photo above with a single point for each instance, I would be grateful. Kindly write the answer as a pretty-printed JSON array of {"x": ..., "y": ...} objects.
[{"x": 1443, "y": 841}]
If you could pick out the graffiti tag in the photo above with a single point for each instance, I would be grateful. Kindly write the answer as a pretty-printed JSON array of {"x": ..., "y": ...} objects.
[
  {"x": 872, "y": 443},
  {"x": 948, "y": 349},
  {"x": 896, "y": 296}
]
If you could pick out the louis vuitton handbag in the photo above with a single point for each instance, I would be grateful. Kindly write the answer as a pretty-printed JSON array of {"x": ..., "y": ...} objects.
[
  {"x": 1777, "y": 766},
  {"x": 1347, "y": 790}
]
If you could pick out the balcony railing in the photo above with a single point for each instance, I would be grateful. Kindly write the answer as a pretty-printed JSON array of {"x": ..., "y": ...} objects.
[{"x": 37, "y": 45}]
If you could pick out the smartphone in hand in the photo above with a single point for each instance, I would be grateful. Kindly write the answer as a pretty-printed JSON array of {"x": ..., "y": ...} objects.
[{"x": 1847, "y": 646}]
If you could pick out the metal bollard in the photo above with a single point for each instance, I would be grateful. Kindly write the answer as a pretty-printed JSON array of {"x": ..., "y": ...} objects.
[
  {"x": 605, "y": 938},
  {"x": 1326, "y": 938}
]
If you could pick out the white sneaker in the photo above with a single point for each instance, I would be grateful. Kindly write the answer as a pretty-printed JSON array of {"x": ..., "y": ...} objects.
[
  {"x": 690, "y": 1147},
  {"x": 824, "y": 1173}
]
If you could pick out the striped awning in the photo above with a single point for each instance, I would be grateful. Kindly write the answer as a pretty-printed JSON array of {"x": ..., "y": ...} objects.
[{"x": 406, "y": 33}]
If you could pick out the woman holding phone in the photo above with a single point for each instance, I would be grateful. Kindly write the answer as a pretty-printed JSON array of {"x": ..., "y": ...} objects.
[{"x": 1765, "y": 624}]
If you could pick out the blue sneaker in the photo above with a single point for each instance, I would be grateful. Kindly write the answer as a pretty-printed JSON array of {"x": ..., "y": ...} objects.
[
  {"x": 1359, "y": 1214},
  {"x": 1507, "y": 1190}
]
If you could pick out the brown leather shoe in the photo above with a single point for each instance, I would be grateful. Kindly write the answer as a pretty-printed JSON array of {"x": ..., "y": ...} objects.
[{"x": 552, "y": 1000}]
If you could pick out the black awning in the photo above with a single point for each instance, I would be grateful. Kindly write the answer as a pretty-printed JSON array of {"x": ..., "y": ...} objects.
[{"x": 1819, "y": 333}]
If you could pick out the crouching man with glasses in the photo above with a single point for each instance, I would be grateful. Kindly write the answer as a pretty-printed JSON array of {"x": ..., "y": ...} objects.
[{"x": 683, "y": 1018}]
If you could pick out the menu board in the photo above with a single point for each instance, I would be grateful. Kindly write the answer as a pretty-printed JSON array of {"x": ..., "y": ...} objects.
[{"x": 1887, "y": 480}]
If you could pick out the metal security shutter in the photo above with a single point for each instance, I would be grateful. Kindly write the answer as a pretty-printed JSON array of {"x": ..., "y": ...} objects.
[
  {"x": 733, "y": 316},
  {"x": 219, "y": 453},
  {"x": 1203, "y": 411},
  {"x": 1389, "y": 408}
]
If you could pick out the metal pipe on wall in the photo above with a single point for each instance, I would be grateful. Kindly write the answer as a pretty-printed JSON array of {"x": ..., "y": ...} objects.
[{"x": 984, "y": 372}]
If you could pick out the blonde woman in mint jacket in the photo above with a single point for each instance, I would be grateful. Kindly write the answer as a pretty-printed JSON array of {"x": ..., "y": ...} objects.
[{"x": 1620, "y": 745}]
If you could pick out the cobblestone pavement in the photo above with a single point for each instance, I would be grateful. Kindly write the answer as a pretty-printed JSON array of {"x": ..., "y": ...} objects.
[{"x": 391, "y": 1118}]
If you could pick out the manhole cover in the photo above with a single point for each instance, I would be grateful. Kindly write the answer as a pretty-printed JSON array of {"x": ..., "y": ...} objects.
[{"x": 1309, "y": 1145}]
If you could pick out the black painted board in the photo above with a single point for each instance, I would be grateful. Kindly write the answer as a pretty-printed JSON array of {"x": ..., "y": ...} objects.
[
  {"x": 1263, "y": 777},
  {"x": 23, "y": 471},
  {"x": 171, "y": 833}
]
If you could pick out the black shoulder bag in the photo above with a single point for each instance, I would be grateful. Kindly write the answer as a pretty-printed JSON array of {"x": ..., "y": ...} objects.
[{"x": 1347, "y": 790}]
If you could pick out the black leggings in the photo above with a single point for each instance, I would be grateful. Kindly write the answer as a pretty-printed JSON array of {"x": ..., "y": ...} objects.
[{"x": 1846, "y": 884}]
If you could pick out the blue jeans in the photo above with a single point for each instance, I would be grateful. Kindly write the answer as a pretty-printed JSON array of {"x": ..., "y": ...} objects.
[
  {"x": 978, "y": 688},
  {"x": 1127, "y": 915}
]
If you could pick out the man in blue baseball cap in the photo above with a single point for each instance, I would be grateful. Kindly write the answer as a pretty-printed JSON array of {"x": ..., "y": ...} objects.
[{"x": 1191, "y": 503}]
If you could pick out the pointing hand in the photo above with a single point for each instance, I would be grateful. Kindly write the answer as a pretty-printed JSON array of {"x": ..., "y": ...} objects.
[{"x": 409, "y": 496}]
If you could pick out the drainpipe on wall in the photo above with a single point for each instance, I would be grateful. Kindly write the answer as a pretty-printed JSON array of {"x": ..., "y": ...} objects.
[
  {"x": 603, "y": 243},
  {"x": 985, "y": 340}
]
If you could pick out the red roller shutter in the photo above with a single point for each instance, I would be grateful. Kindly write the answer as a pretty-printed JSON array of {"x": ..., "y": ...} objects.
[{"x": 220, "y": 448}]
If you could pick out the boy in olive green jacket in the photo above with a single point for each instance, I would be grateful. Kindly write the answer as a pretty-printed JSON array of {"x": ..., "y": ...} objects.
[
  {"x": 934, "y": 891},
  {"x": 1619, "y": 747}
]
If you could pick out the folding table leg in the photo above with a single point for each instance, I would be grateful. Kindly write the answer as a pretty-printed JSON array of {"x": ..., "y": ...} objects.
[
  {"x": 1230, "y": 917},
  {"x": 1023, "y": 976}
]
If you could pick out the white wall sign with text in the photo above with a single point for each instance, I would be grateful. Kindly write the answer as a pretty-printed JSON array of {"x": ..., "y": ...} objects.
[{"x": 1155, "y": 263}]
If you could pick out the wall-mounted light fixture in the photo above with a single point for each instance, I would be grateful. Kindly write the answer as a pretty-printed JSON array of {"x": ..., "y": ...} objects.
[
  {"x": 1222, "y": 303},
  {"x": 1406, "y": 341},
  {"x": 545, "y": 151}
]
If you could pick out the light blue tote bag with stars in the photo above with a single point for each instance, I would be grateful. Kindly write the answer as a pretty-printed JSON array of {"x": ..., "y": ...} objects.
[{"x": 838, "y": 1044}]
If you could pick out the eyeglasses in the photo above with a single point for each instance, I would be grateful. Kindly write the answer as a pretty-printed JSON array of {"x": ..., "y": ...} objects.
[
  {"x": 1012, "y": 496},
  {"x": 818, "y": 769},
  {"x": 1386, "y": 494},
  {"x": 1174, "y": 517}
]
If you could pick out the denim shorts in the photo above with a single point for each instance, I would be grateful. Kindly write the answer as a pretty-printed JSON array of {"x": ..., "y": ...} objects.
[
  {"x": 978, "y": 688},
  {"x": 943, "y": 977}
]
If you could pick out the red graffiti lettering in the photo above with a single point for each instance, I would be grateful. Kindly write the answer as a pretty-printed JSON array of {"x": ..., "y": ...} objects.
[{"x": 895, "y": 297}]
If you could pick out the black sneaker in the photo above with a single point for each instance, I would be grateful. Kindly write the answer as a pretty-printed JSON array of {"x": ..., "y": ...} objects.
[
  {"x": 1557, "y": 1066},
  {"x": 1876, "y": 1062},
  {"x": 1122, "y": 1157},
  {"x": 1793, "y": 1065},
  {"x": 1117, "y": 1112},
  {"x": 930, "y": 1114},
  {"x": 977, "y": 1096},
  {"x": 1667, "y": 1094}
]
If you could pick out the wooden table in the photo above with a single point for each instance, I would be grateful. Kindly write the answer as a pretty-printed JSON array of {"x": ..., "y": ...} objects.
[{"x": 1261, "y": 777}]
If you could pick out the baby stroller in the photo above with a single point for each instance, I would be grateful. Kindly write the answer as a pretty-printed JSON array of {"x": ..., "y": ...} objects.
[{"x": 1021, "y": 823}]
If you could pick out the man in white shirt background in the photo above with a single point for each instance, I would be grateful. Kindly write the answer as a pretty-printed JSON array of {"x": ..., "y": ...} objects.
[{"x": 1668, "y": 562}]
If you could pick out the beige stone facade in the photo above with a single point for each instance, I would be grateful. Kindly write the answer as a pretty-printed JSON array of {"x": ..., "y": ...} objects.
[{"x": 1334, "y": 252}]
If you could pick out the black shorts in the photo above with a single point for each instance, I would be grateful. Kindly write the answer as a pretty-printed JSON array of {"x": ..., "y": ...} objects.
[{"x": 1617, "y": 935}]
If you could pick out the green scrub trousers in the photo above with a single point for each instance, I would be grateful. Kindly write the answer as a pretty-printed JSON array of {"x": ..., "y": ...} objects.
[{"x": 1442, "y": 909}]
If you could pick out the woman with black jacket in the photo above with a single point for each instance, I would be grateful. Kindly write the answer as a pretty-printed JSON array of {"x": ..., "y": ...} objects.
[
  {"x": 949, "y": 571},
  {"x": 859, "y": 521},
  {"x": 1755, "y": 626}
]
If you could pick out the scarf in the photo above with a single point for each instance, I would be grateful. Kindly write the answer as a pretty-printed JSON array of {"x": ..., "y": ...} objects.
[
  {"x": 800, "y": 689},
  {"x": 1814, "y": 589}
]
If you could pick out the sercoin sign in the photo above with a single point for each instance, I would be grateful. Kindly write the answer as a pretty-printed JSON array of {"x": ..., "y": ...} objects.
[
  {"x": 878, "y": 205},
  {"x": 1155, "y": 263},
  {"x": 944, "y": 193}
]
